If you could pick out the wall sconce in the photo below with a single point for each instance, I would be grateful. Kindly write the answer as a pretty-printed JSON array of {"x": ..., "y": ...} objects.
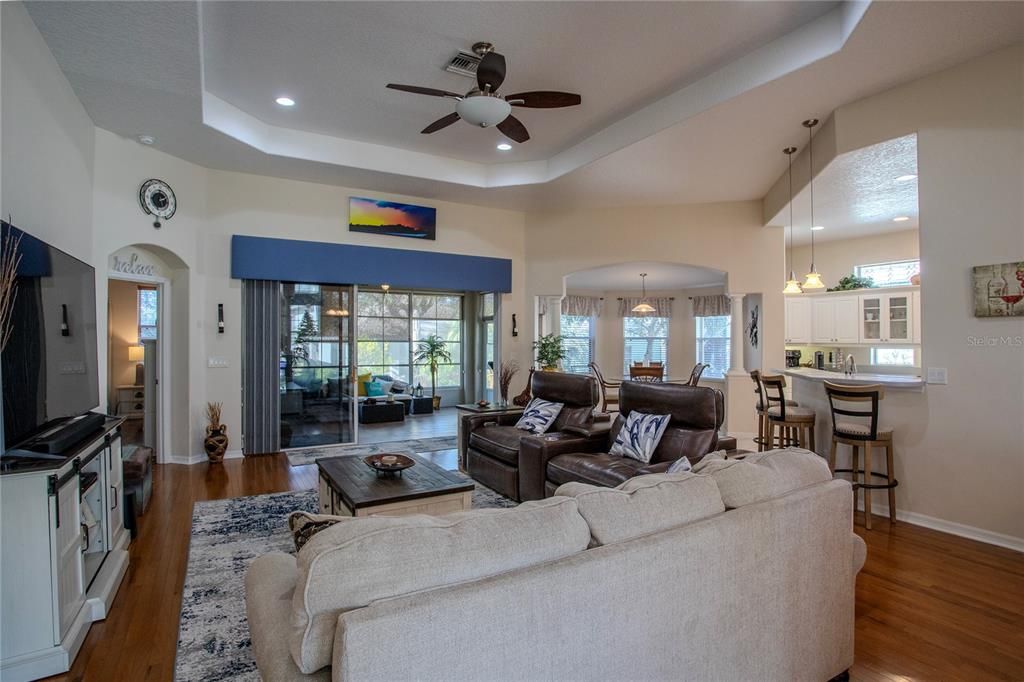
[
  {"x": 64, "y": 329},
  {"x": 220, "y": 318},
  {"x": 515, "y": 326}
]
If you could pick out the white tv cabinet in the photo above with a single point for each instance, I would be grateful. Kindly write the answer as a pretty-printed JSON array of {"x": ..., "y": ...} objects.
[{"x": 63, "y": 554}]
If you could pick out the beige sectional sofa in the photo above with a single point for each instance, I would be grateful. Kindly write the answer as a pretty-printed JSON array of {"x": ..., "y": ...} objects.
[{"x": 739, "y": 570}]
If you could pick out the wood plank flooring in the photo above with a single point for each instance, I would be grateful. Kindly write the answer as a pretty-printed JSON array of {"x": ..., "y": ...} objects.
[{"x": 930, "y": 606}]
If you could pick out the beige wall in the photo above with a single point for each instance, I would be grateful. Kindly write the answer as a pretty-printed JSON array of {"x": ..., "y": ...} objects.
[
  {"x": 213, "y": 206},
  {"x": 123, "y": 314},
  {"x": 837, "y": 259}
]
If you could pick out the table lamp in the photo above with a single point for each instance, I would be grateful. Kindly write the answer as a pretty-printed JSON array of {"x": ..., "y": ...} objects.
[{"x": 137, "y": 354}]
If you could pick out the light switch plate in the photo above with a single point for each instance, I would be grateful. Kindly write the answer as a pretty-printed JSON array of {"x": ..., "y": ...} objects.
[
  {"x": 217, "y": 362},
  {"x": 937, "y": 375}
]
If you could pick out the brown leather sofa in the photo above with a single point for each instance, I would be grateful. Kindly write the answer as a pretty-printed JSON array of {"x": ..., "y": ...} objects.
[
  {"x": 697, "y": 414},
  {"x": 493, "y": 455}
]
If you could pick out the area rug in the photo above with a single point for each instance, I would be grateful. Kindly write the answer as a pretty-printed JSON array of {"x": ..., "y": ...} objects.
[
  {"x": 406, "y": 447},
  {"x": 213, "y": 633}
]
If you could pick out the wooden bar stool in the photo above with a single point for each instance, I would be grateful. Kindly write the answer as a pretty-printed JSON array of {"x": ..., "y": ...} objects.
[
  {"x": 795, "y": 423},
  {"x": 761, "y": 406},
  {"x": 867, "y": 433}
]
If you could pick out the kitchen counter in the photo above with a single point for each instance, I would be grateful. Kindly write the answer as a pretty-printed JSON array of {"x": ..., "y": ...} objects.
[{"x": 890, "y": 381}]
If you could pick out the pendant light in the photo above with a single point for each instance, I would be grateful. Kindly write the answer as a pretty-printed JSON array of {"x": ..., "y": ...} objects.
[
  {"x": 813, "y": 279},
  {"x": 643, "y": 307},
  {"x": 792, "y": 284}
]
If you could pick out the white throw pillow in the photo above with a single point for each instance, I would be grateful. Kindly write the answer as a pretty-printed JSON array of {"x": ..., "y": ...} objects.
[
  {"x": 538, "y": 416},
  {"x": 640, "y": 435},
  {"x": 385, "y": 385}
]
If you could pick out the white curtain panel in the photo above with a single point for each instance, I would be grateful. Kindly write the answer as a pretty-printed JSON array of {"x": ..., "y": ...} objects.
[
  {"x": 586, "y": 306},
  {"x": 711, "y": 306},
  {"x": 662, "y": 307}
]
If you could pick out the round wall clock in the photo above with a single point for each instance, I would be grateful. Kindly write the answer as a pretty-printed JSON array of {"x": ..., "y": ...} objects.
[{"x": 157, "y": 199}]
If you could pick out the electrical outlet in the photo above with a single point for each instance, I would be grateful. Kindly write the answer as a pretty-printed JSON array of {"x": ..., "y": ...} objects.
[
  {"x": 217, "y": 362},
  {"x": 72, "y": 368},
  {"x": 937, "y": 375}
]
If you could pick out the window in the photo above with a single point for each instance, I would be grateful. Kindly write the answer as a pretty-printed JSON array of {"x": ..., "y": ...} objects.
[
  {"x": 902, "y": 357},
  {"x": 578, "y": 342},
  {"x": 644, "y": 338},
  {"x": 440, "y": 315},
  {"x": 148, "y": 311},
  {"x": 487, "y": 318},
  {"x": 383, "y": 345},
  {"x": 315, "y": 344},
  {"x": 894, "y": 274},
  {"x": 713, "y": 344}
]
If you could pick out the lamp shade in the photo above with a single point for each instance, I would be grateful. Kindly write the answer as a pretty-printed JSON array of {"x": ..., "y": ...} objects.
[
  {"x": 136, "y": 353},
  {"x": 813, "y": 280}
]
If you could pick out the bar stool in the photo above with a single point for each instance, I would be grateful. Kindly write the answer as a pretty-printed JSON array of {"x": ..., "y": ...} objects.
[
  {"x": 762, "y": 412},
  {"x": 795, "y": 423},
  {"x": 865, "y": 433}
]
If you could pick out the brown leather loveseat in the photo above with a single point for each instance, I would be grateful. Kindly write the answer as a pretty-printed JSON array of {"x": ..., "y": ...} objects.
[
  {"x": 697, "y": 413},
  {"x": 494, "y": 443}
]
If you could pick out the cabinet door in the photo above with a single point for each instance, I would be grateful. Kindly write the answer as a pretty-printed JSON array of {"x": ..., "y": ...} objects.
[
  {"x": 898, "y": 322},
  {"x": 870, "y": 319},
  {"x": 65, "y": 522},
  {"x": 845, "y": 316},
  {"x": 115, "y": 492},
  {"x": 915, "y": 314},
  {"x": 798, "y": 320},
  {"x": 823, "y": 320}
]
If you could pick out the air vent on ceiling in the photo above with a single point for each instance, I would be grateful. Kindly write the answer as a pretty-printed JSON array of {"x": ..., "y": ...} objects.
[{"x": 464, "y": 64}]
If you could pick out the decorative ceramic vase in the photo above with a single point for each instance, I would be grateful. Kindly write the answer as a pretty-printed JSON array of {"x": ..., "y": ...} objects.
[{"x": 216, "y": 442}]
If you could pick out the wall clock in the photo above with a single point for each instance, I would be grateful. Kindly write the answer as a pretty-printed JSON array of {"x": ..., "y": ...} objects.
[{"x": 157, "y": 199}]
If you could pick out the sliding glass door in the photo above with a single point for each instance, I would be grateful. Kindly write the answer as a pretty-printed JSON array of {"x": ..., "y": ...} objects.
[{"x": 316, "y": 365}]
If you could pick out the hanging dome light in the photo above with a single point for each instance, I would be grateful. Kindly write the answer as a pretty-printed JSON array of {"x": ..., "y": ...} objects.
[
  {"x": 813, "y": 279},
  {"x": 792, "y": 284},
  {"x": 643, "y": 307}
]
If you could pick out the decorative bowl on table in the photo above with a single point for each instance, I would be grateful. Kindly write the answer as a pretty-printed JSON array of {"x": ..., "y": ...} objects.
[
  {"x": 389, "y": 463},
  {"x": 482, "y": 403}
]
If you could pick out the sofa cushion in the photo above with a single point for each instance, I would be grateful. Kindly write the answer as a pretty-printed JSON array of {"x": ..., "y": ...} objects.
[
  {"x": 500, "y": 442},
  {"x": 538, "y": 416},
  {"x": 763, "y": 475},
  {"x": 361, "y": 382},
  {"x": 350, "y": 565},
  {"x": 600, "y": 469},
  {"x": 644, "y": 504},
  {"x": 640, "y": 435}
]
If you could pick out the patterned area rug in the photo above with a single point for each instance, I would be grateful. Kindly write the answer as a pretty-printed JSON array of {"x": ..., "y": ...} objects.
[
  {"x": 405, "y": 447},
  {"x": 213, "y": 634}
]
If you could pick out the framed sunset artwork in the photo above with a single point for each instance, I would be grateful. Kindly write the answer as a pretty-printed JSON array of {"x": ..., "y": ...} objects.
[{"x": 376, "y": 216}]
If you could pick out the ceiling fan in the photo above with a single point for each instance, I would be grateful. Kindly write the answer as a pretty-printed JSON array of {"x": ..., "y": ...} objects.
[{"x": 483, "y": 106}]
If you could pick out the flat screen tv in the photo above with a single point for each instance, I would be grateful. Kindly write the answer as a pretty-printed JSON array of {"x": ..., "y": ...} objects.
[{"x": 49, "y": 363}]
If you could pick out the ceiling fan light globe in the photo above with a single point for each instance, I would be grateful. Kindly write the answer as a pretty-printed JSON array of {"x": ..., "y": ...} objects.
[{"x": 483, "y": 110}]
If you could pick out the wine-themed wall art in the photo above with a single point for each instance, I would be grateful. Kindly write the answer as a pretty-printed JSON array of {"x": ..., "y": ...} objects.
[{"x": 999, "y": 290}]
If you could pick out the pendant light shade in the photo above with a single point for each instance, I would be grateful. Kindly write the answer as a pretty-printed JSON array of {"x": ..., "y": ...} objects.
[
  {"x": 792, "y": 285},
  {"x": 813, "y": 279},
  {"x": 643, "y": 307}
]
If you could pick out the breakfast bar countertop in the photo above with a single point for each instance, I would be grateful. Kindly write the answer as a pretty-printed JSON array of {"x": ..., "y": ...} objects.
[{"x": 893, "y": 381}]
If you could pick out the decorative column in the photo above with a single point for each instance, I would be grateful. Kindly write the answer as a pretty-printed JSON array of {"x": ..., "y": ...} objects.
[{"x": 739, "y": 391}]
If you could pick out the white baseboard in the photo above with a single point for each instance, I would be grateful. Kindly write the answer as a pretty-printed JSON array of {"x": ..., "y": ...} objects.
[
  {"x": 951, "y": 527},
  {"x": 201, "y": 457},
  {"x": 233, "y": 454}
]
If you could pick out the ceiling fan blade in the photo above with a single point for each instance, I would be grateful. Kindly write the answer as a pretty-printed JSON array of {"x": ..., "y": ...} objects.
[
  {"x": 491, "y": 71},
  {"x": 514, "y": 129},
  {"x": 423, "y": 91},
  {"x": 543, "y": 99},
  {"x": 443, "y": 122}
]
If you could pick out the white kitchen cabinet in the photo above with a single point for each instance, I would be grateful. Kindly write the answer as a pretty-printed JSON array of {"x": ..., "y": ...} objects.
[
  {"x": 798, "y": 320},
  {"x": 834, "y": 319},
  {"x": 915, "y": 313},
  {"x": 887, "y": 318}
]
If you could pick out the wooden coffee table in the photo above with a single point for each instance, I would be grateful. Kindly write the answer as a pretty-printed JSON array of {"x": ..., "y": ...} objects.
[{"x": 348, "y": 487}]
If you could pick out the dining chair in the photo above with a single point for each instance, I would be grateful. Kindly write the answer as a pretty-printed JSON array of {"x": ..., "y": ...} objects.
[
  {"x": 652, "y": 374},
  {"x": 698, "y": 369},
  {"x": 606, "y": 386}
]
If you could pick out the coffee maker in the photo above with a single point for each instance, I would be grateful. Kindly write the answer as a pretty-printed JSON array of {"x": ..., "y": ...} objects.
[{"x": 793, "y": 358}]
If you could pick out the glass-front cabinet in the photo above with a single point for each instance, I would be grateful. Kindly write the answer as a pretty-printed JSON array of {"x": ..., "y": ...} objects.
[{"x": 886, "y": 318}]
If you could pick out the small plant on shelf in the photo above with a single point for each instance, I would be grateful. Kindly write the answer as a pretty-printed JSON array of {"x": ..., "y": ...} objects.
[
  {"x": 851, "y": 282},
  {"x": 549, "y": 351}
]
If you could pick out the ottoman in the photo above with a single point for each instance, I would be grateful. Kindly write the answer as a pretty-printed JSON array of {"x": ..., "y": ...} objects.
[{"x": 137, "y": 461}]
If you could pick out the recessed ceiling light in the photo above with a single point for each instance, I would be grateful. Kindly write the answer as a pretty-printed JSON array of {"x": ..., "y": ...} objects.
[
  {"x": 818, "y": 227},
  {"x": 285, "y": 101},
  {"x": 905, "y": 178},
  {"x": 901, "y": 219},
  {"x": 504, "y": 146},
  {"x": 146, "y": 139}
]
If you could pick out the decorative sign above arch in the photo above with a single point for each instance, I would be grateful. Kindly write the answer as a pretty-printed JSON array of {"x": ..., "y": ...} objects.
[{"x": 137, "y": 263}]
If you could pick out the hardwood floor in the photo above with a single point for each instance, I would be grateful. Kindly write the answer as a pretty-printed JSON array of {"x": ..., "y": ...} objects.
[{"x": 930, "y": 606}]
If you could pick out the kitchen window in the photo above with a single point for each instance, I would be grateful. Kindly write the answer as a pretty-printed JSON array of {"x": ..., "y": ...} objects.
[{"x": 893, "y": 274}]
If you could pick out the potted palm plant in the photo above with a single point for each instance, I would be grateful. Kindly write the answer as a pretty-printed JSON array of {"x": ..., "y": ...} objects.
[
  {"x": 432, "y": 351},
  {"x": 549, "y": 352}
]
